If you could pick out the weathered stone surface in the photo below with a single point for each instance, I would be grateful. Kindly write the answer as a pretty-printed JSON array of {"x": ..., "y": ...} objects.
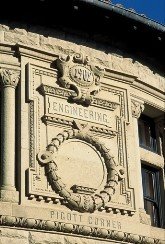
[
  {"x": 72, "y": 147},
  {"x": 45, "y": 238},
  {"x": 13, "y": 236},
  {"x": 4, "y": 27},
  {"x": 21, "y": 36}
]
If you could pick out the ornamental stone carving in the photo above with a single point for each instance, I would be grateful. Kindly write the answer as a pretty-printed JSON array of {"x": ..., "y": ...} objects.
[
  {"x": 9, "y": 77},
  {"x": 81, "y": 202},
  {"x": 137, "y": 108},
  {"x": 104, "y": 234},
  {"x": 79, "y": 74}
]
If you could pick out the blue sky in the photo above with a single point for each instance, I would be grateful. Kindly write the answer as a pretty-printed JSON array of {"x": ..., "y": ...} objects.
[{"x": 153, "y": 9}]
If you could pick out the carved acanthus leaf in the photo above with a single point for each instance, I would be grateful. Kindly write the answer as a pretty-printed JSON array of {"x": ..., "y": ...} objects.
[{"x": 9, "y": 77}]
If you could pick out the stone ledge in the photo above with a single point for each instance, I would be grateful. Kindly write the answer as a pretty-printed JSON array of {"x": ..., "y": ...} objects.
[{"x": 151, "y": 158}]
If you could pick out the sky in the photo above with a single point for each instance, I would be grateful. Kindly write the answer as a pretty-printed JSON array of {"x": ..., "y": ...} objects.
[{"x": 153, "y": 9}]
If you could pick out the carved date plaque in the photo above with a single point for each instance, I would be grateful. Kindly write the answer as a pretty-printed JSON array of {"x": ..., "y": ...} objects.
[{"x": 79, "y": 74}]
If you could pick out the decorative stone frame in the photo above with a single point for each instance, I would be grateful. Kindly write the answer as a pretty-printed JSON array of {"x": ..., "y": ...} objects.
[
  {"x": 81, "y": 202},
  {"x": 38, "y": 188}
]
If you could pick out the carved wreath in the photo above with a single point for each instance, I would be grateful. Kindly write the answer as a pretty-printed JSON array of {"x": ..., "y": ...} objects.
[{"x": 75, "y": 201}]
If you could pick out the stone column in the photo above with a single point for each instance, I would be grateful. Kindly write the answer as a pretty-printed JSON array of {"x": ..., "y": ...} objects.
[
  {"x": 8, "y": 80},
  {"x": 137, "y": 109}
]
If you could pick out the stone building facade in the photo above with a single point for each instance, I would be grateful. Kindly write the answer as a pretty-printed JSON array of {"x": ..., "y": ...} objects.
[{"x": 82, "y": 129}]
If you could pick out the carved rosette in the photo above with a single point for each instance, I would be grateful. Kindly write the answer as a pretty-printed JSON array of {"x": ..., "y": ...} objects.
[
  {"x": 79, "y": 74},
  {"x": 137, "y": 108},
  {"x": 9, "y": 77},
  {"x": 81, "y": 202}
]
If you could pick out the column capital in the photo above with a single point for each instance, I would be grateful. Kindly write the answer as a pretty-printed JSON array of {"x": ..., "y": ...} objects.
[
  {"x": 137, "y": 108},
  {"x": 9, "y": 77}
]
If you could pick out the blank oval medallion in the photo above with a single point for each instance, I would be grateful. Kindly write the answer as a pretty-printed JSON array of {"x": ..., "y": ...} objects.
[{"x": 80, "y": 164}]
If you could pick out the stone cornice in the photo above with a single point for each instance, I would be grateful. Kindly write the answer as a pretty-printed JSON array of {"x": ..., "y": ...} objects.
[
  {"x": 124, "y": 77},
  {"x": 148, "y": 89},
  {"x": 35, "y": 52},
  {"x": 9, "y": 77},
  {"x": 6, "y": 48},
  {"x": 41, "y": 47},
  {"x": 137, "y": 108}
]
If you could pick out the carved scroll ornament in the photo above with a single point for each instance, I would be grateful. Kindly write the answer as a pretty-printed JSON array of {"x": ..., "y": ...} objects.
[
  {"x": 81, "y": 202},
  {"x": 79, "y": 74}
]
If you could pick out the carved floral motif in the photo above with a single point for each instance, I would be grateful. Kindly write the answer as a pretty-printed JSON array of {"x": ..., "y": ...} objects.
[
  {"x": 81, "y": 202},
  {"x": 79, "y": 74},
  {"x": 9, "y": 77}
]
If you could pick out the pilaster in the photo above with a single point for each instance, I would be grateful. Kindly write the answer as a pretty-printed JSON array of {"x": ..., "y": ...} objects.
[{"x": 137, "y": 107}]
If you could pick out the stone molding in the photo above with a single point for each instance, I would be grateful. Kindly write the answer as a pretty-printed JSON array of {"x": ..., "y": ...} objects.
[
  {"x": 104, "y": 131},
  {"x": 107, "y": 209},
  {"x": 74, "y": 229},
  {"x": 137, "y": 108},
  {"x": 62, "y": 92},
  {"x": 9, "y": 77}
]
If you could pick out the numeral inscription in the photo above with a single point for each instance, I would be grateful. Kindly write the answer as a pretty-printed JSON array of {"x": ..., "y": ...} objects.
[{"x": 82, "y": 74}]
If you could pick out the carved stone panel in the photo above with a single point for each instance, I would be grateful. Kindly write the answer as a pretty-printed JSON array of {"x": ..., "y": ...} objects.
[{"x": 77, "y": 153}]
